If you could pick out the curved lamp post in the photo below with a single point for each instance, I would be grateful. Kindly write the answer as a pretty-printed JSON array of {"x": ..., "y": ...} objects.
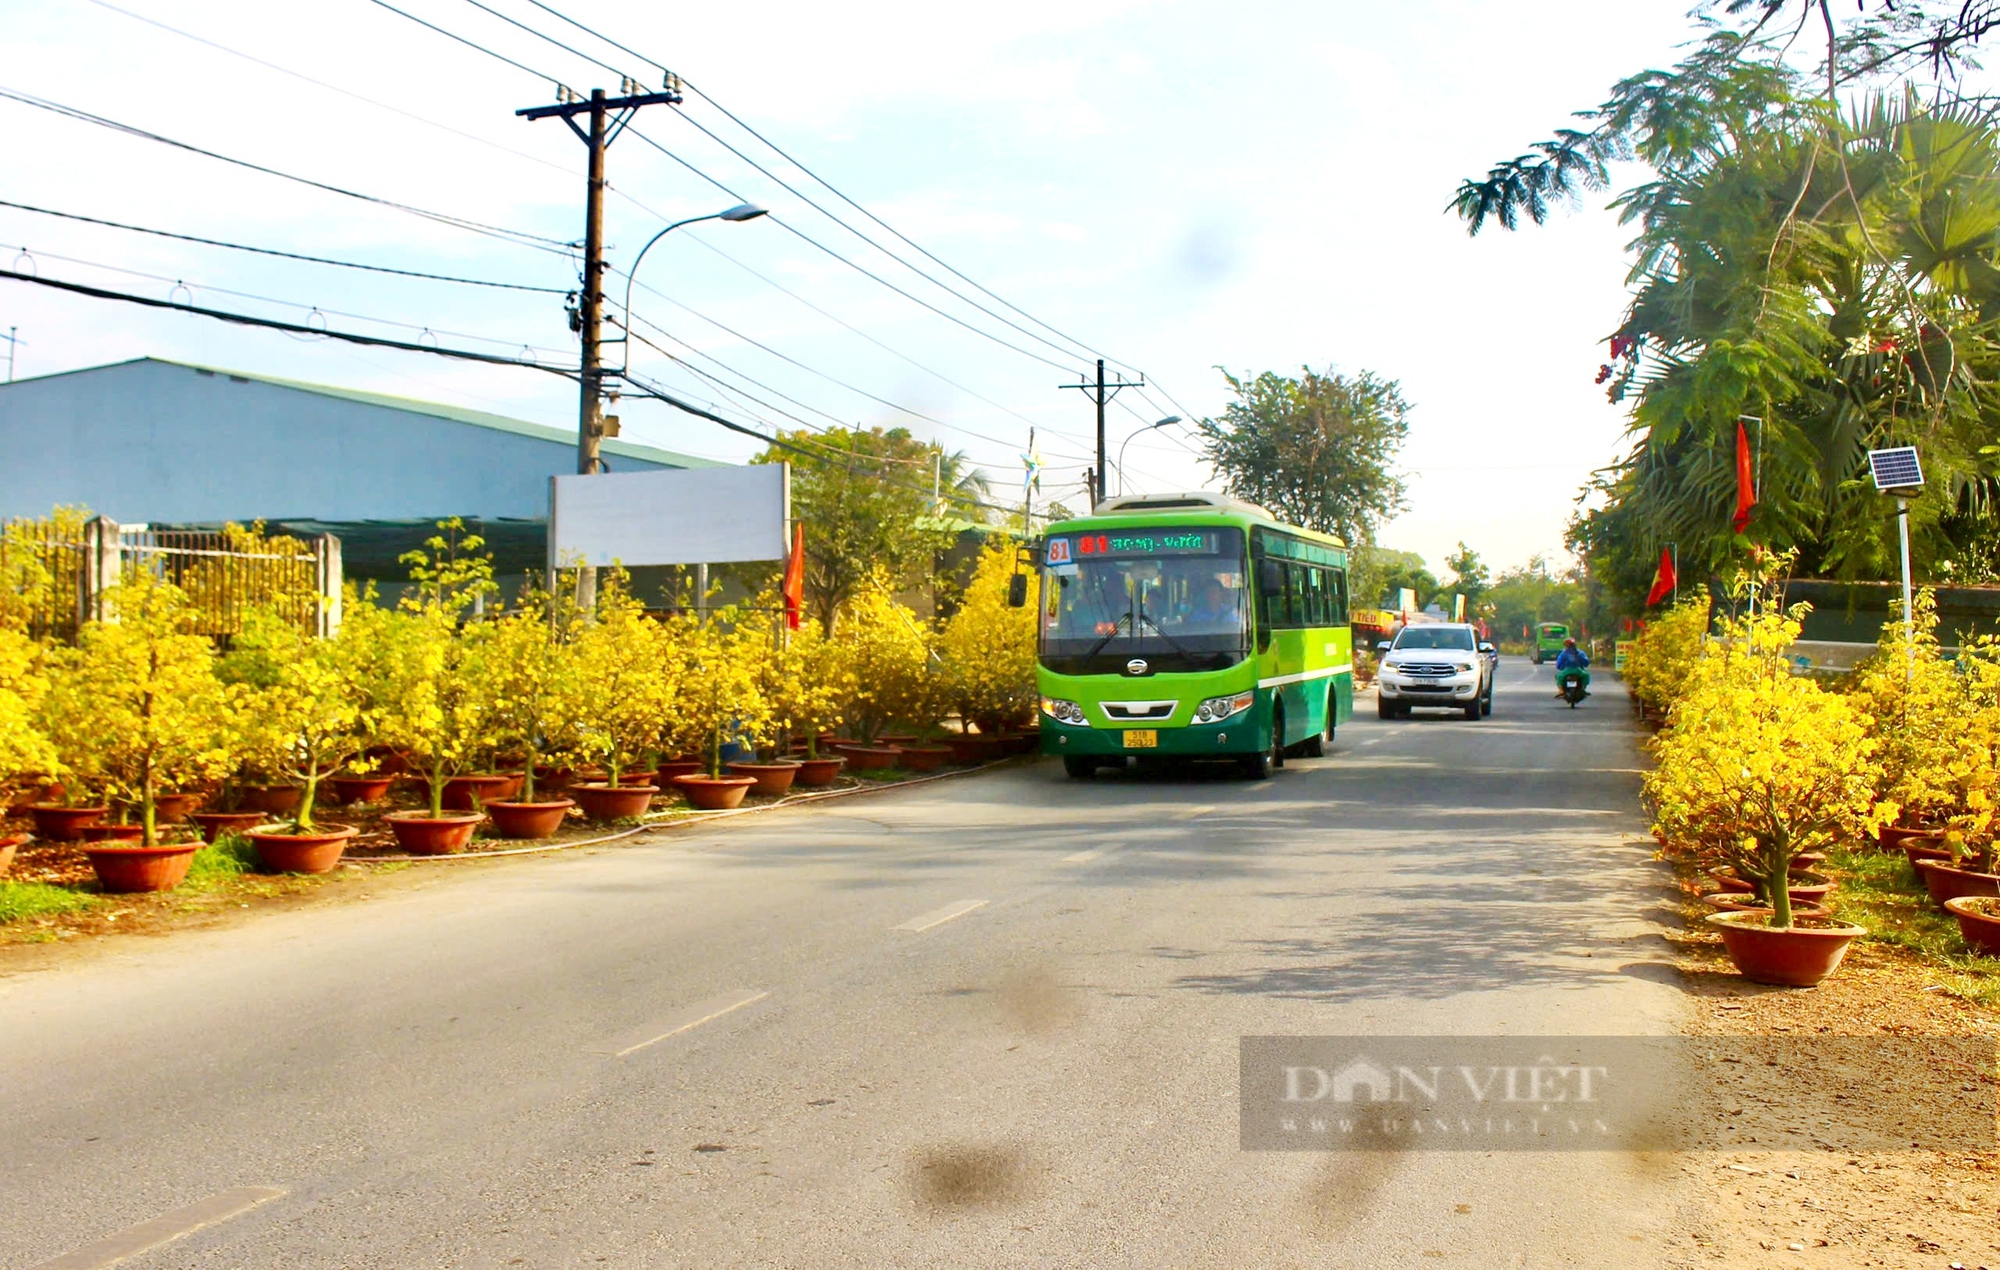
[
  {"x": 1128, "y": 440},
  {"x": 740, "y": 212}
]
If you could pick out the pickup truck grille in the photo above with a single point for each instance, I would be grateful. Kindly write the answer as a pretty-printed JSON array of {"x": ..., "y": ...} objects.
[{"x": 1426, "y": 668}]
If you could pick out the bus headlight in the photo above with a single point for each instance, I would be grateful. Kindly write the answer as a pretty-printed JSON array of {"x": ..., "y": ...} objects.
[
  {"x": 1216, "y": 709},
  {"x": 1063, "y": 711}
]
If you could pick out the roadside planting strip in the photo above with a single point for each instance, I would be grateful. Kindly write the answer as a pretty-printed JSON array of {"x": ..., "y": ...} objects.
[{"x": 164, "y": 1229}]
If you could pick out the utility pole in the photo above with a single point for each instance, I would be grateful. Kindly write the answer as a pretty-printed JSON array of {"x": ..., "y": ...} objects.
[
  {"x": 1102, "y": 393},
  {"x": 607, "y": 118},
  {"x": 13, "y": 342}
]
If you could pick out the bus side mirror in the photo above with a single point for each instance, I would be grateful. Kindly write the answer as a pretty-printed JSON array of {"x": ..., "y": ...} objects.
[
  {"x": 1270, "y": 578},
  {"x": 1017, "y": 591}
]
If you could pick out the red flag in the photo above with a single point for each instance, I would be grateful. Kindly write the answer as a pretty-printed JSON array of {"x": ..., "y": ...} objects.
[
  {"x": 795, "y": 576},
  {"x": 1746, "y": 479},
  {"x": 1663, "y": 579}
]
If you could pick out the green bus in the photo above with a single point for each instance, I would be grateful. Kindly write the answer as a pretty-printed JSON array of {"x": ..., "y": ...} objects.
[
  {"x": 1191, "y": 626},
  {"x": 1549, "y": 637}
]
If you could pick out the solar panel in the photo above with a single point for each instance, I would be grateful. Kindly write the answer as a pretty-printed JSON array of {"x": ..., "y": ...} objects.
[{"x": 1895, "y": 469}]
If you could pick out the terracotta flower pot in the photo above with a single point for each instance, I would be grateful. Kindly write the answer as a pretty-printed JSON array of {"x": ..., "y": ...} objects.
[
  {"x": 774, "y": 780},
  {"x": 7, "y": 848},
  {"x": 714, "y": 793},
  {"x": 348, "y": 790},
  {"x": 926, "y": 758},
  {"x": 1742, "y": 902},
  {"x": 111, "y": 833},
  {"x": 1978, "y": 922},
  {"x": 528, "y": 820},
  {"x": 870, "y": 758},
  {"x": 552, "y": 780},
  {"x": 973, "y": 749},
  {"x": 608, "y": 802},
  {"x": 216, "y": 824},
  {"x": 420, "y": 834},
  {"x": 1809, "y": 887},
  {"x": 279, "y": 800},
  {"x": 669, "y": 769},
  {"x": 60, "y": 824},
  {"x": 1892, "y": 837},
  {"x": 648, "y": 775},
  {"x": 135, "y": 870},
  {"x": 173, "y": 809},
  {"x": 897, "y": 739},
  {"x": 815, "y": 772},
  {"x": 1796, "y": 957},
  {"x": 1915, "y": 849},
  {"x": 510, "y": 787},
  {"x": 1947, "y": 883},
  {"x": 459, "y": 791},
  {"x": 315, "y": 852}
]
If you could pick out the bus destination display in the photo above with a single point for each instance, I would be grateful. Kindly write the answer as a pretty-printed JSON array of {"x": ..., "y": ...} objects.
[{"x": 1067, "y": 549}]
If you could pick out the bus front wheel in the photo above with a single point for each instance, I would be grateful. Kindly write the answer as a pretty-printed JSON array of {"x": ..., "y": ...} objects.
[{"x": 1079, "y": 768}]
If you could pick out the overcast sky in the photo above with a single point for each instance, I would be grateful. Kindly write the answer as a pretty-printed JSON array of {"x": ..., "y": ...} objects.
[{"x": 1179, "y": 186}]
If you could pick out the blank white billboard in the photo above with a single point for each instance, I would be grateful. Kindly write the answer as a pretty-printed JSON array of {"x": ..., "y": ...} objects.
[{"x": 707, "y": 515}]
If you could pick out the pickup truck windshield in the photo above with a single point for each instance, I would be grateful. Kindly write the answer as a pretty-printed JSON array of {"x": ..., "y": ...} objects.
[{"x": 1443, "y": 637}]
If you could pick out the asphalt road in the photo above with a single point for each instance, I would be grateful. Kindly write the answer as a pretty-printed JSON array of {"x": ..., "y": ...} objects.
[{"x": 987, "y": 1021}]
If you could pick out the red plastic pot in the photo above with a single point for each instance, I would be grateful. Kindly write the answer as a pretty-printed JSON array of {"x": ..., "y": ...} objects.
[
  {"x": 1796, "y": 957},
  {"x": 7, "y": 848},
  {"x": 136, "y": 870},
  {"x": 1914, "y": 850},
  {"x": 528, "y": 820},
  {"x": 421, "y": 834},
  {"x": 670, "y": 768},
  {"x": 216, "y": 824},
  {"x": 926, "y": 758},
  {"x": 1946, "y": 883},
  {"x": 315, "y": 852},
  {"x": 552, "y": 780},
  {"x": 649, "y": 775},
  {"x": 773, "y": 780},
  {"x": 1810, "y": 887},
  {"x": 608, "y": 802},
  {"x": 974, "y": 749},
  {"x": 814, "y": 772},
  {"x": 1978, "y": 928},
  {"x": 459, "y": 791},
  {"x": 111, "y": 833},
  {"x": 172, "y": 809},
  {"x": 510, "y": 786},
  {"x": 348, "y": 790},
  {"x": 1742, "y": 902},
  {"x": 60, "y": 824},
  {"x": 714, "y": 793},
  {"x": 1892, "y": 837},
  {"x": 279, "y": 800},
  {"x": 870, "y": 758},
  {"x": 897, "y": 740}
]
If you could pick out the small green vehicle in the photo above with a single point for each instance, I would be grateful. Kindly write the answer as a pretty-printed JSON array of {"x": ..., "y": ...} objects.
[{"x": 1549, "y": 637}]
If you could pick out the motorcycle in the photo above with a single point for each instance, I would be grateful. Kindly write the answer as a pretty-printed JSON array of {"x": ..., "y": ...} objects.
[{"x": 1573, "y": 684}]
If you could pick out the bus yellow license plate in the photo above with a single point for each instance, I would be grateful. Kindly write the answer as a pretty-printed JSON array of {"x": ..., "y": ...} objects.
[{"x": 1142, "y": 739}]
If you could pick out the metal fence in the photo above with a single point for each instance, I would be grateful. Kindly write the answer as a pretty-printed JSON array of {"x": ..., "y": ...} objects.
[{"x": 54, "y": 573}]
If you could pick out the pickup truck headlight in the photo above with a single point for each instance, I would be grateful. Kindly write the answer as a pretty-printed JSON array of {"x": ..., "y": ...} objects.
[
  {"x": 1063, "y": 711},
  {"x": 1462, "y": 666},
  {"x": 1216, "y": 709}
]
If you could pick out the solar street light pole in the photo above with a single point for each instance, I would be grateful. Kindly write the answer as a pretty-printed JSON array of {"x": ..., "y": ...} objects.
[{"x": 1909, "y": 617}]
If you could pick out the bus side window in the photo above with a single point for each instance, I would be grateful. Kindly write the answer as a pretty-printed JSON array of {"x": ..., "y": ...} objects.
[{"x": 1339, "y": 580}]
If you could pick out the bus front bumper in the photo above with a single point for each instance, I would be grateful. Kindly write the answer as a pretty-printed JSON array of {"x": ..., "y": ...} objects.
[{"x": 1244, "y": 734}]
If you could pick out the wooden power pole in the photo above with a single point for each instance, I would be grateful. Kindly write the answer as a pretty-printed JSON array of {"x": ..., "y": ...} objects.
[{"x": 1102, "y": 393}]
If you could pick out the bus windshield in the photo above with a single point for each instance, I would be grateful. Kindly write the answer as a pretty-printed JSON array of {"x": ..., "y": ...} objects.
[{"x": 1175, "y": 597}]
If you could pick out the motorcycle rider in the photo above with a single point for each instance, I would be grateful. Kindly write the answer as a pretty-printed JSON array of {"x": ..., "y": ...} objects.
[{"x": 1571, "y": 657}]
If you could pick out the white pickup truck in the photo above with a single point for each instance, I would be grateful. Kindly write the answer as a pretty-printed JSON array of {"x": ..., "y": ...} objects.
[{"x": 1435, "y": 665}]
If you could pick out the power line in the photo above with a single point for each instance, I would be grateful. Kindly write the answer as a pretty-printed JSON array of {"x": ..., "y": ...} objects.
[
  {"x": 515, "y": 22},
  {"x": 288, "y": 255},
  {"x": 245, "y": 319},
  {"x": 469, "y": 44},
  {"x": 332, "y": 88},
  {"x": 515, "y": 236}
]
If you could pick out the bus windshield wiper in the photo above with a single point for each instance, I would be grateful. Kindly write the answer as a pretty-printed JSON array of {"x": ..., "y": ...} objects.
[
  {"x": 1147, "y": 618},
  {"x": 1109, "y": 635}
]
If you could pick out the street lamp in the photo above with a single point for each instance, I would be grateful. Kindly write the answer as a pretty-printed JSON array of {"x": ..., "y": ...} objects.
[
  {"x": 1128, "y": 440},
  {"x": 1898, "y": 474},
  {"x": 740, "y": 212}
]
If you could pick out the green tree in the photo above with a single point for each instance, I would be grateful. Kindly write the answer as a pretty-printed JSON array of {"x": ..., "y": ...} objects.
[
  {"x": 865, "y": 498},
  {"x": 1316, "y": 450},
  {"x": 1377, "y": 573},
  {"x": 1470, "y": 576}
]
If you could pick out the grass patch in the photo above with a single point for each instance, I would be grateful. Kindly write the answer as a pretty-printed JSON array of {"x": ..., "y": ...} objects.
[
  {"x": 219, "y": 864},
  {"x": 19, "y": 900},
  {"x": 1878, "y": 893}
]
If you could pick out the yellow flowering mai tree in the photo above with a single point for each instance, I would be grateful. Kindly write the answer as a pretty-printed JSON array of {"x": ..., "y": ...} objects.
[
  {"x": 721, "y": 694},
  {"x": 24, "y": 751},
  {"x": 803, "y": 677},
  {"x": 627, "y": 667},
  {"x": 1761, "y": 764},
  {"x": 1659, "y": 662},
  {"x": 988, "y": 646},
  {"x": 528, "y": 671},
  {"x": 885, "y": 648},
  {"x": 136, "y": 708},
  {"x": 440, "y": 717}
]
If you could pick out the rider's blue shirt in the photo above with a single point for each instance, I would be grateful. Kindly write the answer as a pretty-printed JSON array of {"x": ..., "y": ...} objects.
[{"x": 1569, "y": 657}]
